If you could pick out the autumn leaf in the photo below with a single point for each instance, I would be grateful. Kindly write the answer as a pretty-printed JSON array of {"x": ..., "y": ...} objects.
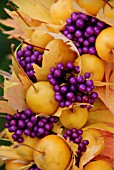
[
  {"x": 34, "y": 9},
  {"x": 5, "y": 108},
  {"x": 100, "y": 113},
  {"x": 57, "y": 53},
  {"x": 100, "y": 126},
  {"x": 73, "y": 146},
  {"x": 88, "y": 155},
  {"x": 106, "y": 94},
  {"x": 8, "y": 153},
  {"x": 57, "y": 128},
  {"x": 14, "y": 93}
]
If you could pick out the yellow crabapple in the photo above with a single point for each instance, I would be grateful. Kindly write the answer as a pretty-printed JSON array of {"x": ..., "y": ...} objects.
[
  {"x": 91, "y": 6},
  {"x": 42, "y": 99},
  {"x": 74, "y": 118},
  {"x": 54, "y": 153},
  {"x": 105, "y": 44},
  {"x": 98, "y": 165},
  {"x": 92, "y": 64},
  {"x": 60, "y": 11},
  {"x": 40, "y": 38}
]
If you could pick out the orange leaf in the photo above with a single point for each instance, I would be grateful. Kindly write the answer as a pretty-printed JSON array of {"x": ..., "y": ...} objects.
[
  {"x": 100, "y": 113},
  {"x": 5, "y": 108},
  {"x": 106, "y": 94}
]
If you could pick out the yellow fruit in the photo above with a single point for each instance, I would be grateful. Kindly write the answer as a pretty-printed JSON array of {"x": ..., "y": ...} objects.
[
  {"x": 25, "y": 151},
  {"x": 109, "y": 9},
  {"x": 42, "y": 100},
  {"x": 75, "y": 118},
  {"x": 41, "y": 39},
  {"x": 61, "y": 10},
  {"x": 94, "y": 65},
  {"x": 11, "y": 165},
  {"x": 55, "y": 153},
  {"x": 105, "y": 44},
  {"x": 95, "y": 138},
  {"x": 98, "y": 165},
  {"x": 91, "y": 6}
]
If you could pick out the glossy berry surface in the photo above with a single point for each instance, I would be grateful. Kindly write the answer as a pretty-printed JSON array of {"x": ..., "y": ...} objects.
[
  {"x": 70, "y": 86},
  {"x": 27, "y": 123},
  {"x": 28, "y": 56},
  {"x": 75, "y": 136},
  {"x": 83, "y": 31}
]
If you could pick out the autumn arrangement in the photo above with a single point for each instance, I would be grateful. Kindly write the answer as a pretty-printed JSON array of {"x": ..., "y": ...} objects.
[{"x": 59, "y": 94}]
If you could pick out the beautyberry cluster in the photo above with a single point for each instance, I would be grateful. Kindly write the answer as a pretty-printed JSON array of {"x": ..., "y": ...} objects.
[
  {"x": 34, "y": 167},
  {"x": 71, "y": 87},
  {"x": 28, "y": 56},
  {"x": 26, "y": 122},
  {"x": 75, "y": 136},
  {"x": 83, "y": 31}
]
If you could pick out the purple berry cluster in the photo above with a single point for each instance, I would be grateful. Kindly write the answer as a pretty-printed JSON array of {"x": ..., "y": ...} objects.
[
  {"x": 71, "y": 87},
  {"x": 26, "y": 122},
  {"x": 34, "y": 167},
  {"x": 75, "y": 136},
  {"x": 28, "y": 56},
  {"x": 83, "y": 31}
]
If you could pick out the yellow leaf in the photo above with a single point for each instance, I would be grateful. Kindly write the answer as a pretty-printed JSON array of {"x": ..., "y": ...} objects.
[
  {"x": 73, "y": 146},
  {"x": 100, "y": 126},
  {"x": 5, "y": 108},
  {"x": 57, "y": 128},
  {"x": 14, "y": 93},
  {"x": 88, "y": 155},
  {"x": 8, "y": 153},
  {"x": 100, "y": 113},
  {"x": 34, "y": 9},
  {"x": 58, "y": 112}
]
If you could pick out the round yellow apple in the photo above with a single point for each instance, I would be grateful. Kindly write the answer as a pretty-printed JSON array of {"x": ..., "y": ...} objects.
[
  {"x": 98, "y": 165},
  {"x": 74, "y": 118},
  {"x": 92, "y": 64},
  {"x": 54, "y": 153},
  {"x": 105, "y": 44},
  {"x": 42, "y": 99}
]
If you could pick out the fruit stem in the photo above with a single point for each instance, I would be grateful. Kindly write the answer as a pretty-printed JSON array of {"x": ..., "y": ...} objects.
[
  {"x": 9, "y": 4},
  {"x": 108, "y": 4},
  {"x": 43, "y": 153},
  {"x": 23, "y": 41},
  {"x": 12, "y": 51},
  {"x": 1, "y": 98}
]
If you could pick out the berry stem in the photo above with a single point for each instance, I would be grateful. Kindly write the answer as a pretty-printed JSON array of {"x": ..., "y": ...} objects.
[
  {"x": 9, "y": 4},
  {"x": 12, "y": 51},
  {"x": 108, "y": 4}
]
